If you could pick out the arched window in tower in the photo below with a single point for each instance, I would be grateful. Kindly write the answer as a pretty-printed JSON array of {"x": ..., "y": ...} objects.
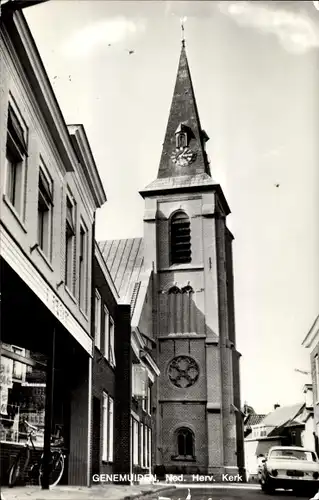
[
  {"x": 181, "y": 140},
  {"x": 185, "y": 443},
  {"x": 174, "y": 299},
  {"x": 187, "y": 310},
  {"x": 180, "y": 238}
]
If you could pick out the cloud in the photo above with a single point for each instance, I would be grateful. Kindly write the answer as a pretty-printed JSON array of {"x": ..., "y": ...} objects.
[
  {"x": 296, "y": 32},
  {"x": 102, "y": 33}
]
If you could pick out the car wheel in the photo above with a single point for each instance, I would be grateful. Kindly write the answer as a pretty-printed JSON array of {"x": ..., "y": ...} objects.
[{"x": 266, "y": 486}]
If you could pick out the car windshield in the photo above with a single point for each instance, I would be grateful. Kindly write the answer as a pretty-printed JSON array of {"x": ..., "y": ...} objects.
[{"x": 293, "y": 455}]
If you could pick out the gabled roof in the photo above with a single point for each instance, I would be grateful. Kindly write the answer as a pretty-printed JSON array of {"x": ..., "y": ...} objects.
[
  {"x": 253, "y": 419},
  {"x": 282, "y": 415},
  {"x": 124, "y": 259},
  {"x": 183, "y": 113}
]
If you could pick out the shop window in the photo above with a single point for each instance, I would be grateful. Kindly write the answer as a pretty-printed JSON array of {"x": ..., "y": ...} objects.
[
  {"x": 108, "y": 428},
  {"x": 70, "y": 231},
  {"x": 83, "y": 267},
  {"x": 180, "y": 238},
  {"x": 16, "y": 154},
  {"x": 22, "y": 396},
  {"x": 45, "y": 212},
  {"x": 185, "y": 443}
]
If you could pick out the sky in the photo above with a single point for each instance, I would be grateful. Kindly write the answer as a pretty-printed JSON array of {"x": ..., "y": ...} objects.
[{"x": 255, "y": 73}]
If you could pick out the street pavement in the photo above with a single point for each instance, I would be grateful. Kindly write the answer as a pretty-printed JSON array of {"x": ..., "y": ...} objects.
[
  {"x": 148, "y": 492},
  {"x": 104, "y": 492},
  {"x": 230, "y": 493}
]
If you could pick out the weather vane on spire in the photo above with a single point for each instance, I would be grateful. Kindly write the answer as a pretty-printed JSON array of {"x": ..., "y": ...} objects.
[{"x": 183, "y": 20}]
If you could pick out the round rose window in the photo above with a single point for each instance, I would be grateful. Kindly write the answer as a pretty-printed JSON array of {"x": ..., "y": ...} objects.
[{"x": 183, "y": 371}]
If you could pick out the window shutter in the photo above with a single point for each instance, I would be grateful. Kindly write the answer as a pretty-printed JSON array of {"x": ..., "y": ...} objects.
[{"x": 180, "y": 238}]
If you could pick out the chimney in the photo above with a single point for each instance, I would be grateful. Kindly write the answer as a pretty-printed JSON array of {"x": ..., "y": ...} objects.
[{"x": 276, "y": 406}]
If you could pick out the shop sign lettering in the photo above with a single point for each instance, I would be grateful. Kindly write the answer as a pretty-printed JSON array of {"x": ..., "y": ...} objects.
[{"x": 56, "y": 306}]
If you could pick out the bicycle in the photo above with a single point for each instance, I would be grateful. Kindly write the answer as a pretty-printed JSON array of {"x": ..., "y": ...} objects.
[{"x": 21, "y": 462}]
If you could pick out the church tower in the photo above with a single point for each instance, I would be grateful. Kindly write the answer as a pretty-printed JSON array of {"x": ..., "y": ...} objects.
[{"x": 189, "y": 247}]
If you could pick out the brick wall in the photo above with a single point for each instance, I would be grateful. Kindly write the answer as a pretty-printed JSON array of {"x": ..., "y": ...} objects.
[{"x": 122, "y": 438}]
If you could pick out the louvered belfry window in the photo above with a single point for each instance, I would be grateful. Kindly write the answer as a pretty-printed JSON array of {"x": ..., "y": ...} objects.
[{"x": 180, "y": 238}]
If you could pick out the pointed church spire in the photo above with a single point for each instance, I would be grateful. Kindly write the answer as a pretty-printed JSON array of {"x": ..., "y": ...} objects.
[{"x": 184, "y": 144}]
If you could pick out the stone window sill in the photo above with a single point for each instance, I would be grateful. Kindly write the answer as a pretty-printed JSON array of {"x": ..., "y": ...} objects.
[
  {"x": 183, "y": 458},
  {"x": 14, "y": 212}
]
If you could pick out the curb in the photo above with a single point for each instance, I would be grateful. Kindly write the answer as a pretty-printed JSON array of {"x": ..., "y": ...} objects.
[{"x": 152, "y": 493}]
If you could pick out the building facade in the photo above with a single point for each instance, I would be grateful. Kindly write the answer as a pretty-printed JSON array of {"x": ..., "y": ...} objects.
[
  {"x": 135, "y": 285},
  {"x": 50, "y": 191},
  {"x": 111, "y": 405},
  {"x": 179, "y": 281}
]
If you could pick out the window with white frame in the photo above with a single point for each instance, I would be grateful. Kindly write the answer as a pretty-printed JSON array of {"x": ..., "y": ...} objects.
[
  {"x": 18, "y": 369},
  {"x": 70, "y": 231},
  {"x": 111, "y": 429},
  {"x": 145, "y": 452},
  {"x": 317, "y": 375},
  {"x": 16, "y": 154},
  {"x": 135, "y": 441},
  {"x": 105, "y": 427},
  {"x": 109, "y": 351},
  {"x": 108, "y": 428},
  {"x": 142, "y": 445},
  {"x": 111, "y": 347},
  {"x": 45, "y": 211},
  {"x": 149, "y": 447},
  {"x": 106, "y": 319},
  {"x": 144, "y": 402},
  {"x": 83, "y": 265},
  {"x": 149, "y": 400},
  {"x": 97, "y": 320}
]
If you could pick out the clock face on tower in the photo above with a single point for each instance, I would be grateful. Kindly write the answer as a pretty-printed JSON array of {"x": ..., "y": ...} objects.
[{"x": 183, "y": 157}]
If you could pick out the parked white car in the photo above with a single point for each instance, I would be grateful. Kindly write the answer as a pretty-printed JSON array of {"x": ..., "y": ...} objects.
[{"x": 290, "y": 467}]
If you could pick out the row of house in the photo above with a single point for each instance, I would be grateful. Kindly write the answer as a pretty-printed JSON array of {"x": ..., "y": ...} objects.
[
  {"x": 291, "y": 425},
  {"x": 294, "y": 425},
  {"x": 68, "y": 365}
]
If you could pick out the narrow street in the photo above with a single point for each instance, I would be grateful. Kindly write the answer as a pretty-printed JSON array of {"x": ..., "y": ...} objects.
[{"x": 230, "y": 494}]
